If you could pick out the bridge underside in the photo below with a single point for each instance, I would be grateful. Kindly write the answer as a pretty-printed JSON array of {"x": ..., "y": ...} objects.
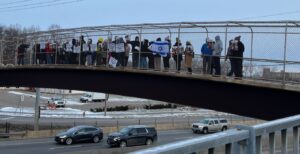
[{"x": 252, "y": 101}]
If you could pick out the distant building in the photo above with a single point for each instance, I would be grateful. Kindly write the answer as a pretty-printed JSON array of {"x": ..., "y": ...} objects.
[{"x": 289, "y": 76}]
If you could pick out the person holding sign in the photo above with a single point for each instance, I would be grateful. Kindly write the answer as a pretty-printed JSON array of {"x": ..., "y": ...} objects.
[
  {"x": 120, "y": 50},
  {"x": 159, "y": 48},
  {"x": 88, "y": 52},
  {"x": 177, "y": 52}
]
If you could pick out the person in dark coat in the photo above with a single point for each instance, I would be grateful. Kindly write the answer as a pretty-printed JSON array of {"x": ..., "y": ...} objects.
[
  {"x": 166, "y": 60},
  {"x": 238, "y": 53},
  {"x": 144, "y": 52},
  {"x": 21, "y": 53},
  {"x": 135, "y": 52}
]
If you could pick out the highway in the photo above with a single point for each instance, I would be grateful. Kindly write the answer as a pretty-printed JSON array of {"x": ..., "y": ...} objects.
[{"x": 48, "y": 145}]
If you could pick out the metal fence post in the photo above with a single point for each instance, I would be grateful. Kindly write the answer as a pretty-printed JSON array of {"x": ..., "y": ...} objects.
[
  {"x": 296, "y": 140},
  {"x": 251, "y": 55},
  {"x": 140, "y": 36},
  {"x": 1, "y": 51},
  {"x": 284, "y": 56}
]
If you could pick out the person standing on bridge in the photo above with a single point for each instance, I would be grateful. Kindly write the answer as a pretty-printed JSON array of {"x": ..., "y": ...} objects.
[
  {"x": 238, "y": 57},
  {"x": 177, "y": 52},
  {"x": 189, "y": 55},
  {"x": 135, "y": 51},
  {"x": 144, "y": 52},
  {"x": 206, "y": 52},
  {"x": 128, "y": 50},
  {"x": 217, "y": 50},
  {"x": 21, "y": 53},
  {"x": 48, "y": 51},
  {"x": 99, "y": 51},
  {"x": 166, "y": 59}
]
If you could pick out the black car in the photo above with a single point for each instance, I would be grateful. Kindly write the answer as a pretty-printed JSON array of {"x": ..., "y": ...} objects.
[
  {"x": 80, "y": 134},
  {"x": 133, "y": 135}
]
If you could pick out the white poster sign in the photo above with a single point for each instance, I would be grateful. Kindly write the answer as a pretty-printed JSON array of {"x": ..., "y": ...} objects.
[
  {"x": 113, "y": 62},
  {"x": 120, "y": 47},
  {"x": 77, "y": 49},
  {"x": 93, "y": 47}
]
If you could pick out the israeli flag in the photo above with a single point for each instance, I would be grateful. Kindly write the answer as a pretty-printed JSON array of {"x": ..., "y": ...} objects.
[{"x": 160, "y": 47}]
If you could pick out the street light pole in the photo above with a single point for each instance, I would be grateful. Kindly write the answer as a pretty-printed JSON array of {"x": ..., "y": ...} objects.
[{"x": 37, "y": 109}]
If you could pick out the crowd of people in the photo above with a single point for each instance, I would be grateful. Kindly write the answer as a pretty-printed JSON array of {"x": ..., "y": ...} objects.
[{"x": 145, "y": 54}]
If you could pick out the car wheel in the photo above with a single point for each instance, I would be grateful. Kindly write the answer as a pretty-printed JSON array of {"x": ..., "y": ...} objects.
[
  {"x": 123, "y": 144},
  {"x": 96, "y": 139},
  {"x": 69, "y": 141},
  {"x": 194, "y": 131},
  {"x": 224, "y": 128},
  {"x": 149, "y": 142},
  {"x": 205, "y": 131}
]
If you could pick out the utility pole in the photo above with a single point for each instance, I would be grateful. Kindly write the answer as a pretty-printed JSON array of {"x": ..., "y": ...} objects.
[
  {"x": 37, "y": 110},
  {"x": 105, "y": 106}
]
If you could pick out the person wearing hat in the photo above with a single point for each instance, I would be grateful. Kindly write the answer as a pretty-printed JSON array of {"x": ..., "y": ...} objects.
[
  {"x": 166, "y": 60},
  {"x": 237, "y": 54},
  {"x": 217, "y": 50},
  {"x": 206, "y": 51},
  {"x": 189, "y": 55},
  {"x": 177, "y": 52}
]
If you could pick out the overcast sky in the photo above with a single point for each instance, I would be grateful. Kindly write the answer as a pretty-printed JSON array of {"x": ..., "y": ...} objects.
[{"x": 107, "y": 12}]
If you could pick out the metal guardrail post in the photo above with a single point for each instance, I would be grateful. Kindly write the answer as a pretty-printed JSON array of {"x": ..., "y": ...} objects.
[
  {"x": 258, "y": 145},
  {"x": 250, "y": 146},
  {"x": 296, "y": 140},
  {"x": 284, "y": 141},
  {"x": 272, "y": 143}
]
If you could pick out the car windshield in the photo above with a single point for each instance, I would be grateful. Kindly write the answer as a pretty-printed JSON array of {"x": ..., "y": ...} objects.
[
  {"x": 87, "y": 95},
  {"x": 205, "y": 121},
  {"x": 125, "y": 130},
  {"x": 72, "y": 129}
]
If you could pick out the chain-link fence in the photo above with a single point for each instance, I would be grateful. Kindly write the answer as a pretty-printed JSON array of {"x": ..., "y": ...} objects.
[{"x": 270, "y": 47}]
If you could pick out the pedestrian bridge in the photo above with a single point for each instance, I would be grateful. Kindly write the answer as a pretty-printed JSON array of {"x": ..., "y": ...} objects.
[
  {"x": 269, "y": 90},
  {"x": 253, "y": 98}
]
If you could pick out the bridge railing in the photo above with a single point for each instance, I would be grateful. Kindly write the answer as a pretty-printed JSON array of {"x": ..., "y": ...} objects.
[{"x": 243, "y": 139}]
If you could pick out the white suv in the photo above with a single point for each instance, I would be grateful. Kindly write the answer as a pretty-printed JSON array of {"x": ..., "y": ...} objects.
[
  {"x": 58, "y": 102},
  {"x": 210, "y": 125}
]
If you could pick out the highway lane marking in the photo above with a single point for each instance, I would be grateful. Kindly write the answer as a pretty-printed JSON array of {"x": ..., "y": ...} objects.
[
  {"x": 19, "y": 144},
  {"x": 74, "y": 146},
  {"x": 180, "y": 138}
]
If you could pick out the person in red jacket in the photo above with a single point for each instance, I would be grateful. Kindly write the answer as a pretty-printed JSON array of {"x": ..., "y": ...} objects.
[{"x": 48, "y": 51}]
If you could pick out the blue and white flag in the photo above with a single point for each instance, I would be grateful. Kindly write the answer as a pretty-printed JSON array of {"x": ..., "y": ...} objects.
[{"x": 160, "y": 47}]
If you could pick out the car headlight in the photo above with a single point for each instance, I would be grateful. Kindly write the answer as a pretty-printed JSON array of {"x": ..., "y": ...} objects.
[
  {"x": 63, "y": 136},
  {"x": 117, "y": 138}
]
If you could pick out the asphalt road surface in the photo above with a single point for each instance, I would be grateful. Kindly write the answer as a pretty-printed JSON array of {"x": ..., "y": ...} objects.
[{"x": 48, "y": 145}]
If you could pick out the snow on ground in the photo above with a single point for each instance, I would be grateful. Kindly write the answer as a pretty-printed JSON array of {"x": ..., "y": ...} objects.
[
  {"x": 70, "y": 101},
  {"x": 75, "y": 113}
]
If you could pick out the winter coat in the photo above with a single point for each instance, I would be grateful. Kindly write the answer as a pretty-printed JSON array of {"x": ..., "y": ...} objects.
[
  {"x": 189, "y": 55},
  {"x": 206, "y": 50}
]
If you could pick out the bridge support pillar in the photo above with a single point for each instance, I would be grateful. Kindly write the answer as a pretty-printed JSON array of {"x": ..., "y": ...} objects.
[{"x": 37, "y": 109}]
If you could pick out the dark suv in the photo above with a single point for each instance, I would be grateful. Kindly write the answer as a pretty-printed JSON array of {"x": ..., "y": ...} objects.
[
  {"x": 133, "y": 135},
  {"x": 80, "y": 134}
]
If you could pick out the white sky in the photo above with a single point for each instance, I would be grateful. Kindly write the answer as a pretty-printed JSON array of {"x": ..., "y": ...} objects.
[{"x": 107, "y": 12}]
